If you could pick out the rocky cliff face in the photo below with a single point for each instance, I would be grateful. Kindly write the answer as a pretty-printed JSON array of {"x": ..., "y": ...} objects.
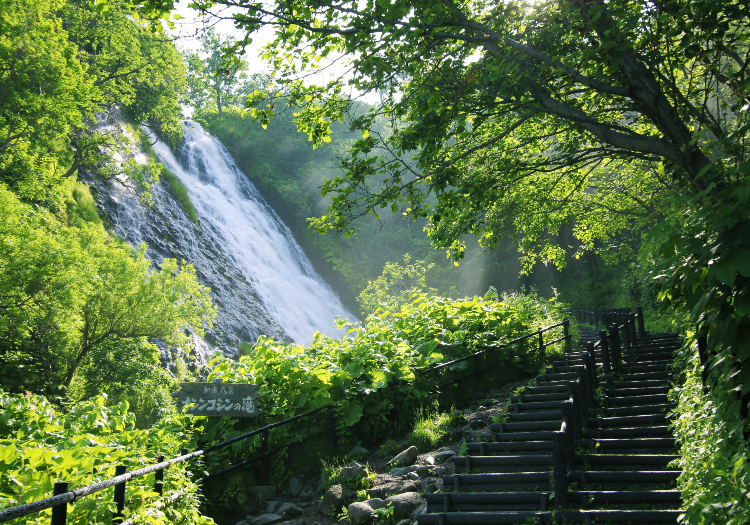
[{"x": 261, "y": 282}]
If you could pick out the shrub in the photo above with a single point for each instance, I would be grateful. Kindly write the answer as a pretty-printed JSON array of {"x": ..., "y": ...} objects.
[{"x": 39, "y": 445}]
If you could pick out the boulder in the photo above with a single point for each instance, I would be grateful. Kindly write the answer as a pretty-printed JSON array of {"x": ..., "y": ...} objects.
[
  {"x": 439, "y": 472},
  {"x": 402, "y": 471},
  {"x": 407, "y": 457},
  {"x": 272, "y": 507},
  {"x": 429, "y": 460},
  {"x": 258, "y": 495},
  {"x": 363, "y": 511},
  {"x": 355, "y": 471},
  {"x": 267, "y": 519},
  {"x": 358, "y": 451},
  {"x": 333, "y": 499},
  {"x": 412, "y": 475},
  {"x": 295, "y": 486},
  {"x": 424, "y": 469},
  {"x": 476, "y": 424},
  {"x": 405, "y": 486},
  {"x": 444, "y": 455},
  {"x": 429, "y": 486},
  {"x": 404, "y": 505},
  {"x": 360, "y": 512},
  {"x": 290, "y": 510}
]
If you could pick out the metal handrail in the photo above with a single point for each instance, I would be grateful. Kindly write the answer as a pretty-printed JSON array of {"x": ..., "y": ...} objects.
[
  {"x": 492, "y": 348},
  {"x": 74, "y": 495}
]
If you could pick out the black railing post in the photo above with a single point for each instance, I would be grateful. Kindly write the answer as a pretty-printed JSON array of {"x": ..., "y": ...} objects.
[
  {"x": 605, "y": 352},
  {"x": 631, "y": 327},
  {"x": 159, "y": 477},
  {"x": 541, "y": 347},
  {"x": 592, "y": 368},
  {"x": 614, "y": 335},
  {"x": 571, "y": 414},
  {"x": 560, "y": 468},
  {"x": 641, "y": 322},
  {"x": 566, "y": 333},
  {"x": 625, "y": 335},
  {"x": 119, "y": 494},
  {"x": 264, "y": 460},
  {"x": 587, "y": 389},
  {"x": 583, "y": 402},
  {"x": 60, "y": 513}
]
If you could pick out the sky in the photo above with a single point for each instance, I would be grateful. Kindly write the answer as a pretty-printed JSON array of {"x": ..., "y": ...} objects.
[{"x": 188, "y": 28}]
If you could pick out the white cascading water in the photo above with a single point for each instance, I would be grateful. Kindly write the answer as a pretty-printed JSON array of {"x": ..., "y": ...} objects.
[{"x": 254, "y": 237}]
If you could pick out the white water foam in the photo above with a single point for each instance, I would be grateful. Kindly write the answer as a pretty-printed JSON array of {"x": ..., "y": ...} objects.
[{"x": 253, "y": 236}]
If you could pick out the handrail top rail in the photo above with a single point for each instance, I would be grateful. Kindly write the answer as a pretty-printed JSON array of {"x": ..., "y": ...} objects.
[
  {"x": 490, "y": 348},
  {"x": 73, "y": 495}
]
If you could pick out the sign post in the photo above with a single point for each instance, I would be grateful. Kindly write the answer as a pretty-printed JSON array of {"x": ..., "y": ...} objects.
[{"x": 218, "y": 399}]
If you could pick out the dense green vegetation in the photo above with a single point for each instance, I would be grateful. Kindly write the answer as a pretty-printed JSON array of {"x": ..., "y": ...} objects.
[
  {"x": 369, "y": 376},
  {"x": 40, "y": 444},
  {"x": 81, "y": 387},
  {"x": 599, "y": 148},
  {"x": 287, "y": 170},
  {"x": 623, "y": 121}
]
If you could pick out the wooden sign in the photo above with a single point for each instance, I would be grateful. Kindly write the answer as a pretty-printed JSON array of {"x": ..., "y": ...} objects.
[{"x": 218, "y": 399}]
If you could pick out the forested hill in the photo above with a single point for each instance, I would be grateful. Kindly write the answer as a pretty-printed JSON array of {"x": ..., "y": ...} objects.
[{"x": 578, "y": 153}]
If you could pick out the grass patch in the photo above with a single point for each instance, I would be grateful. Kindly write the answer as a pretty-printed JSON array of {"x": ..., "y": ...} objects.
[
  {"x": 331, "y": 474},
  {"x": 246, "y": 348},
  {"x": 180, "y": 191},
  {"x": 431, "y": 428},
  {"x": 79, "y": 203}
]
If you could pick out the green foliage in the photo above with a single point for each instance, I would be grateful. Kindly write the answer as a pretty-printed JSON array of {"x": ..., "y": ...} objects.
[
  {"x": 395, "y": 286},
  {"x": 79, "y": 203},
  {"x": 63, "y": 65},
  {"x": 713, "y": 452},
  {"x": 216, "y": 79},
  {"x": 431, "y": 427},
  {"x": 40, "y": 445},
  {"x": 66, "y": 290},
  {"x": 384, "y": 514},
  {"x": 181, "y": 193},
  {"x": 126, "y": 370},
  {"x": 331, "y": 475},
  {"x": 369, "y": 375}
]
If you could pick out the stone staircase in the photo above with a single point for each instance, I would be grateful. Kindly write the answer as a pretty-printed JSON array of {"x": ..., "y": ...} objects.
[{"x": 589, "y": 444}]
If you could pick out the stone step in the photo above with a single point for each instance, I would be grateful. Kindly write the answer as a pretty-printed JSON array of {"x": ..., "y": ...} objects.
[
  {"x": 510, "y": 448},
  {"x": 625, "y": 459},
  {"x": 551, "y": 389},
  {"x": 620, "y": 432},
  {"x": 520, "y": 436},
  {"x": 535, "y": 398},
  {"x": 528, "y": 407},
  {"x": 635, "y": 410},
  {"x": 507, "y": 481},
  {"x": 637, "y": 391},
  {"x": 632, "y": 421},
  {"x": 535, "y": 416},
  {"x": 641, "y": 517},
  {"x": 525, "y": 426},
  {"x": 482, "y": 501},
  {"x": 636, "y": 400}
]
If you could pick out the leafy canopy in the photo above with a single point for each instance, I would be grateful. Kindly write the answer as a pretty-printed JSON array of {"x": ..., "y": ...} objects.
[{"x": 66, "y": 291}]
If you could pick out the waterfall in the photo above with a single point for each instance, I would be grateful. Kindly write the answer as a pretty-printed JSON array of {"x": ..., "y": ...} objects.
[
  {"x": 261, "y": 281},
  {"x": 252, "y": 236}
]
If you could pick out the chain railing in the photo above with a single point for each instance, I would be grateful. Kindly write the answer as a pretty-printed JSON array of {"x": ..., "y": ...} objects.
[{"x": 63, "y": 495}]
